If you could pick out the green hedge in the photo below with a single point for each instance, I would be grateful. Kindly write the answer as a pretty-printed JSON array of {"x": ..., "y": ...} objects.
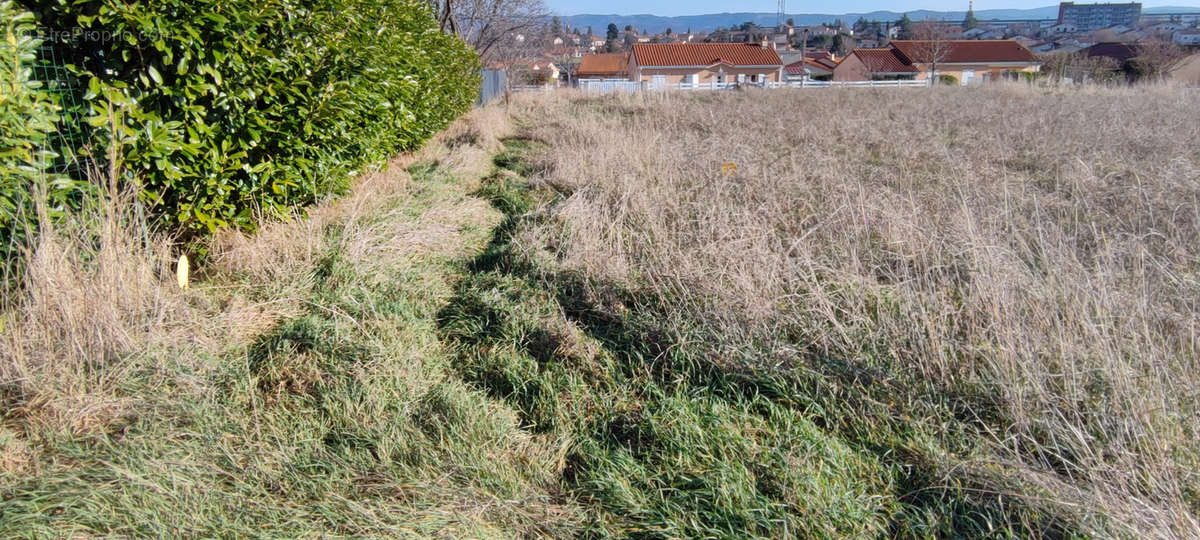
[
  {"x": 28, "y": 118},
  {"x": 223, "y": 110}
]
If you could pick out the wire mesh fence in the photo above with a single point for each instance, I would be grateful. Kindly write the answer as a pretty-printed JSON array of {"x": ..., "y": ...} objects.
[{"x": 63, "y": 87}]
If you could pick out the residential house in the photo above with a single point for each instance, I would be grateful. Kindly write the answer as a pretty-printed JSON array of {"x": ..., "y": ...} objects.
[
  {"x": 1167, "y": 28},
  {"x": 545, "y": 72},
  {"x": 819, "y": 30},
  {"x": 1186, "y": 37},
  {"x": 1028, "y": 43},
  {"x": 809, "y": 69},
  {"x": 703, "y": 63},
  {"x": 874, "y": 64},
  {"x": 1120, "y": 52},
  {"x": 968, "y": 61},
  {"x": 1061, "y": 48},
  {"x": 793, "y": 56},
  {"x": 565, "y": 52},
  {"x": 604, "y": 66}
]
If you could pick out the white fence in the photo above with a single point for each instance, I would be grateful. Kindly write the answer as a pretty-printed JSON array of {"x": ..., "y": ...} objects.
[
  {"x": 531, "y": 88},
  {"x": 608, "y": 86},
  {"x": 829, "y": 84}
]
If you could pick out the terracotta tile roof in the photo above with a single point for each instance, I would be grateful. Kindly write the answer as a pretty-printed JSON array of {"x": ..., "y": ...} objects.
[
  {"x": 603, "y": 64},
  {"x": 829, "y": 63},
  {"x": 967, "y": 51},
  {"x": 704, "y": 54},
  {"x": 884, "y": 61},
  {"x": 813, "y": 65}
]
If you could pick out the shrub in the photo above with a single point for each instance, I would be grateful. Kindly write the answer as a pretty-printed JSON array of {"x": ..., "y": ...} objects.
[
  {"x": 226, "y": 109},
  {"x": 27, "y": 118},
  {"x": 948, "y": 79}
]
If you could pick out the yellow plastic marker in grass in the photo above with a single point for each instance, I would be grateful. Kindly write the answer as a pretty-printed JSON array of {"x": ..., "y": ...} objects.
[
  {"x": 181, "y": 272},
  {"x": 729, "y": 168}
]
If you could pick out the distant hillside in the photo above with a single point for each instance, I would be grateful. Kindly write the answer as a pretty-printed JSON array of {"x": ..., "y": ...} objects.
[{"x": 655, "y": 23}]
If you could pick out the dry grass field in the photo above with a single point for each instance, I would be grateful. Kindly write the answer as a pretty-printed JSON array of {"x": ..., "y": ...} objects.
[
  {"x": 849, "y": 313},
  {"x": 1013, "y": 272}
]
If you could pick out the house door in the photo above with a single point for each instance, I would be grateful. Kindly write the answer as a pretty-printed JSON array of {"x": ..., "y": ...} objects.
[{"x": 968, "y": 76}]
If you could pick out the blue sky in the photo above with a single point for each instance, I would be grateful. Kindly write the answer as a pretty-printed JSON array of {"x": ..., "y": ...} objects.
[{"x": 700, "y": 7}]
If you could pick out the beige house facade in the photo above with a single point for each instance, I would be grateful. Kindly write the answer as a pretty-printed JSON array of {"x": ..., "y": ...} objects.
[
  {"x": 967, "y": 61},
  {"x": 704, "y": 63}
]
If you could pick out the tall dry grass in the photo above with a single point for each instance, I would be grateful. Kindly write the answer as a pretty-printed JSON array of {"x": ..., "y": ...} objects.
[
  {"x": 1037, "y": 250},
  {"x": 95, "y": 292},
  {"x": 97, "y": 331}
]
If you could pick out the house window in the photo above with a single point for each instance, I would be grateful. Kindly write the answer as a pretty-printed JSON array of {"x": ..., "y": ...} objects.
[
  {"x": 968, "y": 76},
  {"x": 741, "y": 78},
  {"x": 660, "y": 81},
  {"x": 693, "y": 78}
]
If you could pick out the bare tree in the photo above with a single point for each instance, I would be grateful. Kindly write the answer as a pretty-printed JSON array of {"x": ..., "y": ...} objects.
[
  {"x": 492, "y": 25},
  {"x": 931, "y": 45},
  {"x": 1155, "y": 60},
  {"x": 445, "y": 15},
  {"x": 1079, "y": 67}
]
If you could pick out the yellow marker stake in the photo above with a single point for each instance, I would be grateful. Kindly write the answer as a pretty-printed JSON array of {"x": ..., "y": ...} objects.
[{"x": 181, "y": 272}]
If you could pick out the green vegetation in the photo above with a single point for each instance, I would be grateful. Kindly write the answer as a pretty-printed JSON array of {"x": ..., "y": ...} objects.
[
  {"x": 949, "y": 80},
  {"x": 662, "y": 443},
  {"x": 27, "y": 118},
  {"x": 223, "y": 111},
  {"x": 616, "y": 320},
  {"x": 466, "y": 387},
  {"x": 667, "y": 441},
  {"x": 341, "y": 416}
]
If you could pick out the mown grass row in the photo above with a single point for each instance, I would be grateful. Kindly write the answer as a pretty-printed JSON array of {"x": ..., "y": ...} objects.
[
  {"x": 670, "y": 439},
  {"x": 343, "y": 419}
]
